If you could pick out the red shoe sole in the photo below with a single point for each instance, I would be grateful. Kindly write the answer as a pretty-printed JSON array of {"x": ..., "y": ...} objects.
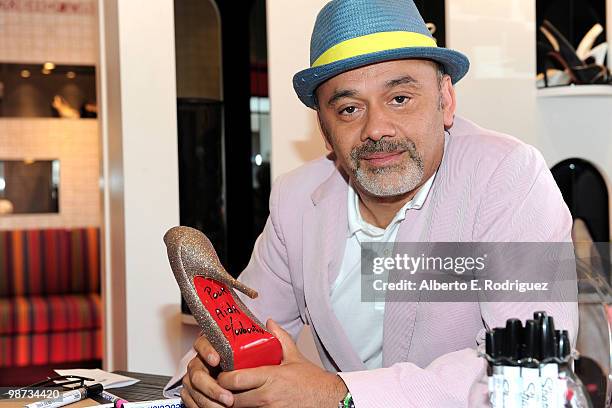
[{"x": 252, "y": 345}]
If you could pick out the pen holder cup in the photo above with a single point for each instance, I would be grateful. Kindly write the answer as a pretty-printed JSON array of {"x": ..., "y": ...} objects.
[{"x": 530, "y": 383}]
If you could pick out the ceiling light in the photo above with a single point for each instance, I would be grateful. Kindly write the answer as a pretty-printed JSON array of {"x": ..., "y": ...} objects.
[
  {"x": 49, "y": 66},
  {"x": 70, "y": 75},
  {"x": 25, "y": 73},
  {"x": 46, "y": 71}
]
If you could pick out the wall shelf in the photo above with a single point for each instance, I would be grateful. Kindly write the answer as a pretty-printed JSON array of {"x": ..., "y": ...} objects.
[
  {"x": 575, "y": 90},
  {"x": 188, "y": 319}
]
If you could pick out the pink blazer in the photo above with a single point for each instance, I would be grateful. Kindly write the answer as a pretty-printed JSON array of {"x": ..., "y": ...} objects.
[{"x": 490, "y": 187}]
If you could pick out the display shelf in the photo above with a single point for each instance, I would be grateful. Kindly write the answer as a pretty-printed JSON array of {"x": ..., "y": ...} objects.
[
  {"x": 188, "y": 319},
  {"x": 47, "y": 91},
  {"x": 575, "y": 90}
]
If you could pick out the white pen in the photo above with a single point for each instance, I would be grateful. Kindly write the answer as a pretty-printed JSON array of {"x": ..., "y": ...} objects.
[
  {"x": 164, "y": 403},
  {"x": 68, "y": 397}
]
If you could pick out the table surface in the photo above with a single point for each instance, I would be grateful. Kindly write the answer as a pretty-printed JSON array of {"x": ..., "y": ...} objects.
[{"x": 150, "y": 387}]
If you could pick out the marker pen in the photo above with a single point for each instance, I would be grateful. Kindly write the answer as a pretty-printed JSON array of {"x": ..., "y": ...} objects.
[
  {"x": 531, "y": 374},
  {"x": 494, "y": 347},
  {"x": 563, "y": 349},
  {"x": 549, "y": 373},
  {"x": 68, "y": 397},
  {"x": 117, "y": 401},
  {"x": 512, "y": 373}
]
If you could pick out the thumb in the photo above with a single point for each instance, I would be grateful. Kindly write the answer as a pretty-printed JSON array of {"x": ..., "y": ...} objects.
[{"x": 290, "y": 350}]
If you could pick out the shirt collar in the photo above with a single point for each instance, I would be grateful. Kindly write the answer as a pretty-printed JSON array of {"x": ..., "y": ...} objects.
[{"x": 357, "y": 223}]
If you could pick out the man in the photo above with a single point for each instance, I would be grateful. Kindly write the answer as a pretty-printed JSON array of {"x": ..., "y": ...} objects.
[{"x": 403, "y": 168}]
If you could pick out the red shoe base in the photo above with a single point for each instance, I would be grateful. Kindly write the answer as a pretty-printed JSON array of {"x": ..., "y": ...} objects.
[{"x": 252, "y": 346}]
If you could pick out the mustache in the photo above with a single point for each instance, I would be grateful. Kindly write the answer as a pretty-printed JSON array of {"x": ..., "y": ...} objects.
[{"x": 384, "y": 146}]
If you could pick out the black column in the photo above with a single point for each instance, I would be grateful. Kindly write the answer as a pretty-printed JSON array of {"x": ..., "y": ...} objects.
[{"x": 237, "y": 120}]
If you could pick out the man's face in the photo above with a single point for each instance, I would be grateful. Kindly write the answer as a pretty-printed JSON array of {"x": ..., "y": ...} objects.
[{"x": 385, "y": 123}]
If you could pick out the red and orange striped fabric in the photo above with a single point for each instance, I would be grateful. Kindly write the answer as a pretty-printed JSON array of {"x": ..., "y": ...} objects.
[
  {"x": 47, "y": 262},
  {"x": 50, "y": 309},
  {"x": 44, "y": 314},
  {"x": 49, "y": 348},
  {"x": 41, "y": 330}
]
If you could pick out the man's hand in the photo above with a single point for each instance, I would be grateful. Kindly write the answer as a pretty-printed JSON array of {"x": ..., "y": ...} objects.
[
  {"x": 200, "y": 389},
  {"x": 295, "y": 383}
]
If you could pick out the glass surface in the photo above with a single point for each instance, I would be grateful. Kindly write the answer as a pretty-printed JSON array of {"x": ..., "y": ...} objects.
[
  {"x": 66, "y": 91},
  {"x": 29, "y": 186},
  {"x": 571, "y": 42},
  {"x": 585, "y": 192},
  {"x": 261, "y": 152}
]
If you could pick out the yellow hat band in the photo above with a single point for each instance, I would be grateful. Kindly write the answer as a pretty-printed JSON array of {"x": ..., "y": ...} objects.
[{"x": 370, "y": 43}]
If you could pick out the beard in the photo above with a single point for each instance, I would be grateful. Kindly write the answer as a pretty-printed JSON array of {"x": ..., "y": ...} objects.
[{"x": 392, "y": 180}]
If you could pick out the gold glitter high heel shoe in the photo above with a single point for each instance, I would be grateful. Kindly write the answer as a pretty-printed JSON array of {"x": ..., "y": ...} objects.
[{"x": 241, "y": 340}]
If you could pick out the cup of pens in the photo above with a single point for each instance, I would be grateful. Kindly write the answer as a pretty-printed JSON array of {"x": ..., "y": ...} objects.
[{"x": 530, "y": 366}]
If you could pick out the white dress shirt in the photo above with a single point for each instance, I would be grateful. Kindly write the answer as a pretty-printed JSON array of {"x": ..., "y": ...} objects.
[{"x": 363, "y": 321}]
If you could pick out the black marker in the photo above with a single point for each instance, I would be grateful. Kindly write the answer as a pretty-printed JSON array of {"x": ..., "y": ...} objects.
[
  {"x": 547, "y": 338},
  {"x": 531, "y": 339},
  {"x": 512, "y": 341}
]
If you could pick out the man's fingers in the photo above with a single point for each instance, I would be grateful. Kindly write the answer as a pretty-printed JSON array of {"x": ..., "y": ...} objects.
[
  {"x": 193, "y": 399},
  {"x": 206, "y": 351},
  {"x": 202, "y": 386},
  {"x": 290, "y": 350},
  {"x": 253, "y": 398},
  {"x": 245, "y": 379},
  {"x": 186, "y": 398},
  {"x": 196, "y": 363}
]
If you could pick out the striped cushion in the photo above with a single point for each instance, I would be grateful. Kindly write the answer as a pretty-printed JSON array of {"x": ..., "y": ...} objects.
[
  {"x": 37, "y": 330},
  {"x": 49, "y": 314},
  {"x": 51, "y": 261},
  {"x": 50, "y": 348}
]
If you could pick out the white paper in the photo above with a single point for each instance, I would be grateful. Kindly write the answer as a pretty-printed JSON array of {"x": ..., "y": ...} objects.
[
  {"x": 548, "y": 385},
  {"x": 513, "y": 386},
  {"x": 531, "y": 387},
  {"x": 108, "y": 380},
  {"x": 496, "y": 387},
  {"x": 174, "y": 386}
]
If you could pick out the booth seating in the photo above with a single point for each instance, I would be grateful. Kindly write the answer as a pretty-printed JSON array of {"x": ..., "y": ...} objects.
[{"x": 50, "y": 308}]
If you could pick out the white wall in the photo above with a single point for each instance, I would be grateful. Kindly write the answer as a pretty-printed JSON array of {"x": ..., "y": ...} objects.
[
  {"x": 49, "y": 30},
  {"x": 139, "y": 144},
  {"x": 75, "y": 143},
  {"x": 499, "y": 39},
  {"x": 295, "y": 134}
]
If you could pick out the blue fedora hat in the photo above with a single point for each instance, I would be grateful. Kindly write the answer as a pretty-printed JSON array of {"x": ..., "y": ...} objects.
[{"x": 349, "y": 34}]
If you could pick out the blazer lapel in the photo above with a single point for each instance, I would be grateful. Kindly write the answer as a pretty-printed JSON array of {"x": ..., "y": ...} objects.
[
  {"x": 324, "y": 238},
  {"x": 400, "y": 316}
]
